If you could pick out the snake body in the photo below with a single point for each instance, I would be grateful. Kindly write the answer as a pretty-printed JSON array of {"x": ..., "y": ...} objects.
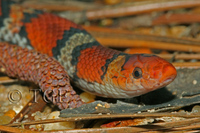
[
  {"x": 94, "y": 68},
  {"x": 45, "y": 71}
]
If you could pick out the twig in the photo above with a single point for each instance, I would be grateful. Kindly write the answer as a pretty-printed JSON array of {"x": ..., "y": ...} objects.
[
  {"x": 146, "y": 128},
  {"x": 126, "y": 34},
  {"x": 189, "y": 127},
  {"x": 53, "y": 5},
  {"x": 112, "y": 12},
  {"x": 6, "y": 79},
  {"x": 176, "y": 18},
  {"x": 123, "y": 38},
  {"x": 186, "y": 64},
  {"x": 80, "y": 117},
  {"x": 180, "y": 56},
  {"x": 15, "y": 130}
]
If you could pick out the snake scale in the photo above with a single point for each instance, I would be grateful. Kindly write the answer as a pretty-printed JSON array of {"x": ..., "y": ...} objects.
[{"x": 92, "y": 67}]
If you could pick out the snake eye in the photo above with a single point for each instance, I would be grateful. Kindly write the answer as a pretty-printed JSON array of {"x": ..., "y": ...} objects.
[{"x": 137, "y": 73}]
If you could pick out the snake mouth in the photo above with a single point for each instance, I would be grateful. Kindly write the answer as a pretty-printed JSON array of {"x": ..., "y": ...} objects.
[
  {"x": 168, "y": 80},
  {"x": 165, "y": 82}
]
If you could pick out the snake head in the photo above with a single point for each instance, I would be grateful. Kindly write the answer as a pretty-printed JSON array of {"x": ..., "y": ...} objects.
[{"x": 141, "y": 73}]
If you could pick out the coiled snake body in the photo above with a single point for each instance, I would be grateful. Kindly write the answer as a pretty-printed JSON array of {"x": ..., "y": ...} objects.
[{"x": 102, "y": 71}]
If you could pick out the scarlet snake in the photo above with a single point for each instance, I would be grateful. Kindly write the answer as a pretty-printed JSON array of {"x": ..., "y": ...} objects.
[{"x": 99, "y": 70}]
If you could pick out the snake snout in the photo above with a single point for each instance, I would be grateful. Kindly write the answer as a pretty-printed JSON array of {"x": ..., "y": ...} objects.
[{"x": 168, "y": 74}]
